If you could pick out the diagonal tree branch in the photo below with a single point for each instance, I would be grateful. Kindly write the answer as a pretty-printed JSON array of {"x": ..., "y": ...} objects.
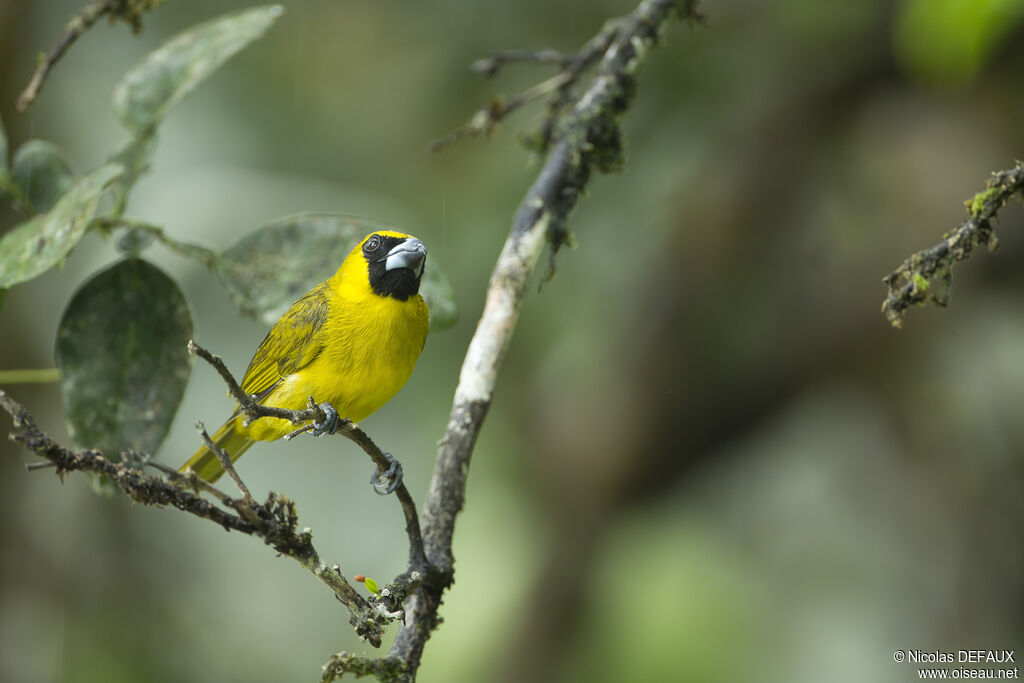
[
  {"x": 927, "y": 275},
  {"x": 587, "y": 137}
]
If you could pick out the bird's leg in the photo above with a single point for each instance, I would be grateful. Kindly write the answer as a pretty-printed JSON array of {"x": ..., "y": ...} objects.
[
  {"x": 331, "y": 421},
  {"x": 393, "y": 476}
]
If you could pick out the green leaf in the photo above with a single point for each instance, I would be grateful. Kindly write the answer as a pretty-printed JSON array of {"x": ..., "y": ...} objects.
[
  {"x": 42, "y": 173},
  {"x": 121, "y": 350},
  {"x": 372, "y": 586},
  {"x": 34, "y": 247},
  {"x": 271, "y": 267},
  {"x": 949, "y": 41},
  {"x": 168, "y": 73}
]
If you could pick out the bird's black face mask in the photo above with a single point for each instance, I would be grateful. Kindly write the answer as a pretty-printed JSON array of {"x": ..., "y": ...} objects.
[{"x": 395, "y": 265}]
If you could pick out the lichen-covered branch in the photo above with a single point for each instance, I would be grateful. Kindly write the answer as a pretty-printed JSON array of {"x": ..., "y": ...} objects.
[
  {"x": 926, "y": 276},
  {"x": 275, "y": 520},
  {"x": 587, "y": 136},
  {"x": 128, "y": 10},
  {"x": 254, "y": 410}
]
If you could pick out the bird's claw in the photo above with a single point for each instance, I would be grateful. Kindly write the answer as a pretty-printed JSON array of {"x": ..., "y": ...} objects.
[
  {"x": 393, "y": 477},
  {"x": 332, "y": 421}
]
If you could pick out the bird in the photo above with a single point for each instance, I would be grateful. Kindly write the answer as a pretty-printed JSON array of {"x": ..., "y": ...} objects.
[{"x": 351, "y": 342}]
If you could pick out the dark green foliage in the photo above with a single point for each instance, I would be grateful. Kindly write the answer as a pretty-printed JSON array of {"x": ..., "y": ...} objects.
[{"x": 121, "y": 350}]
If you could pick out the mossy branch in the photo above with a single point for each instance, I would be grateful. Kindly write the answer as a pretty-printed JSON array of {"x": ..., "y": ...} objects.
[
  {"x": 129, "y": 11},
  {"x": 275, "y": 520},
  {"x": 926, "y": 276}
]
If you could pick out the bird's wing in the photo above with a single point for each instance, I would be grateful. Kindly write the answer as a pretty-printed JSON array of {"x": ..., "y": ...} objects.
[{"x": 291, "y": 344}]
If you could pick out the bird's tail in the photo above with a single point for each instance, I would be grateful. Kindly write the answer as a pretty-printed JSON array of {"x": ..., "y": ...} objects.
[{"x": 228, "y": 438}]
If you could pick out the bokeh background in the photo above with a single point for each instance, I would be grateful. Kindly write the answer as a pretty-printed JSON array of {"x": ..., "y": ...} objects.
[{"x": 709, "y": 457}]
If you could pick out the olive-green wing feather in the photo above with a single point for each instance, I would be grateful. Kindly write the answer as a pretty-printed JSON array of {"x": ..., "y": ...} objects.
[{"x": 290, "y": 345}]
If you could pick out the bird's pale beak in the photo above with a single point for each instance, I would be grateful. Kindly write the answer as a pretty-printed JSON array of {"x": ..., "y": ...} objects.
[{"x": 409, "y": 254}]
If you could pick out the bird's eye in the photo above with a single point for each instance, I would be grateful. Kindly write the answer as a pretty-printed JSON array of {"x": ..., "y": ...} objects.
[{"x": 372, "y": 244}]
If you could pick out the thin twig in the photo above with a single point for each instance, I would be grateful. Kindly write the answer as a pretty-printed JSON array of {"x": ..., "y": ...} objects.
[
  {"x": 191, "y": 480},
  {"x": 248, "y": 403},
  {"x": 573, "y": 66},
  {"x": 127, "y": 10},
  {"x": 79, "y": 24},
  {"x": 187, "y": 479},
  {"x": 488, "y": 117},
  {"x": 490, "y": 66},
  {"x": 33, "y": 376},
  {"x": 225, "y": 461}
]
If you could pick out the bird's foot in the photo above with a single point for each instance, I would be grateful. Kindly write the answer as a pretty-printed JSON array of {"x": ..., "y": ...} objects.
[
  {"x": 386, "y": 482},
  {"x": 331, "y": 423}
]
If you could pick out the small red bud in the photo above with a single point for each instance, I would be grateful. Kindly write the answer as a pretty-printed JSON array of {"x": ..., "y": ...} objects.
[{"x": 359, "y": 578}]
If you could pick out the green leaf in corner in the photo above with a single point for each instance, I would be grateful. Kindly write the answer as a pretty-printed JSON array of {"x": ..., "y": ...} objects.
[
  {"x": 37, "y": 245},
  {"x": 271, "y": 267},
  {"x": 41, "y": 172},
  {"x": 171, "y": 71},
  {"x": 121, "y": 350},
  {"x": 948, "y": 42}
]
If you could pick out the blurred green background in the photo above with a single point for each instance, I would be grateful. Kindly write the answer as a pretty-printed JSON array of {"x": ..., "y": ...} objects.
[{"x": 709, "y": 457}]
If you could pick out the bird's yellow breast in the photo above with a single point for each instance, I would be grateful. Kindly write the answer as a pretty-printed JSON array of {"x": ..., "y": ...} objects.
[{"x": 369, "y": 347}]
